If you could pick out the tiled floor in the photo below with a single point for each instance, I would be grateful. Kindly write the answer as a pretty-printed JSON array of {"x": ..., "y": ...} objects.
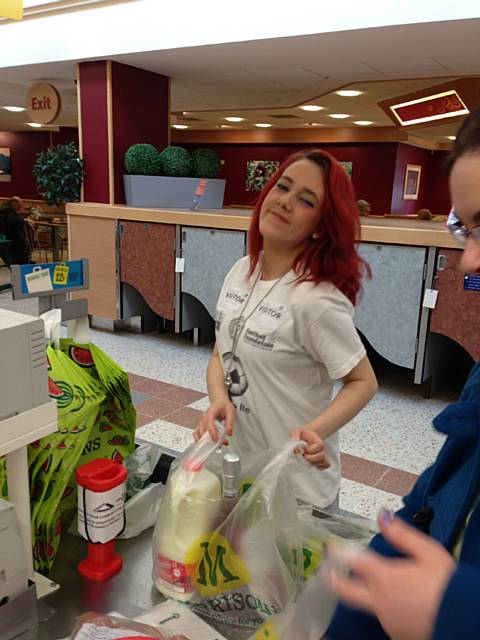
[{"x": 383, "y": 448}]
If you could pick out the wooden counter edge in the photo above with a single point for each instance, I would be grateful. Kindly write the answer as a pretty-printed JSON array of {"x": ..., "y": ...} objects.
[{"x": 226, "y": 219}]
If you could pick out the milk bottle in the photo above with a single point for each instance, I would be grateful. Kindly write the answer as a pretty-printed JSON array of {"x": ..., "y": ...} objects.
[{"x": 188, "y": 513}]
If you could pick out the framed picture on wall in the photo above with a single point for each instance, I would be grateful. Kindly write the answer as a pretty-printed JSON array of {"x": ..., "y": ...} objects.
[
  {"x": 258, "y": 173},
  {"x": 412, "y": 182},
  {"x": 5, "y": 166}
]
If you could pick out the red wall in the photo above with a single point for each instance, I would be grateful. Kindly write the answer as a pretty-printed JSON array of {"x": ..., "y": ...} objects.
[
  {"x": 65, "y": 135},
  {"x": 24, "y": 147},
  {"x": 372, "y": 174},
  {"x": 437, "y": 197},
  {"x": 140, "y": 114},
  {"x": 93, "y": 97},
  {"x": 378, "y": 173},
  {"x": 433, "y": 192}
]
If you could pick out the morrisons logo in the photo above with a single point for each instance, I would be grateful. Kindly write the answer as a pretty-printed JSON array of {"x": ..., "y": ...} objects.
[
  {"x": 208, "y": 571},
  {"x": 216, "y": 567}
]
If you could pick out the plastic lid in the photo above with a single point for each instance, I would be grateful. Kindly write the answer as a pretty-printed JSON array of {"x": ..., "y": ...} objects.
[
  {"x": 192, "y": 464},
  {"x": 101, "y": 475}
]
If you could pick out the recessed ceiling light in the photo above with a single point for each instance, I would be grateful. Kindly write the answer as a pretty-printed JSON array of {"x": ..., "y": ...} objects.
[
  {"x": 234, "y": 119},
  {"x": 313, "y": 124},
  {"x": 348, "y": 93},
  {"x": 363, "y": 123},
  {"x": 35, "y": 125},
  {"x": 225, "y": 126},
  {"x": 339, "y": 116},
  {"x": 180, "y": 126},
  {"x": 451, "y": 137},
  {"x": 311, "y": 107},
  {"x": 16, "y": 109},
  {"x": 263, "y": 125}
]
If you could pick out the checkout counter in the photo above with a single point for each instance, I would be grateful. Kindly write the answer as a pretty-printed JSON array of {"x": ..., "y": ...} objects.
[{"x": 172, "y": 262}]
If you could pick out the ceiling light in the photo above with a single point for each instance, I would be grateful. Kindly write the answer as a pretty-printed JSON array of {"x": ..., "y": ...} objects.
[
  {"x": 339, "y": 116},
  {"x": 363, "y": 123},
  {"x": 312, "y": 124},
  {"x": 349, "y": 93},
  {"x": 180, "y": 126},
  {"x": 225, "y": 126},
  {"x": 262, "y": 125},
  {"x": 234, "y": 119},
  {"x": 451, "y": 137},
  {"x": 35, "y": 125},
  {"x": 311, "y": 107},
  {"x": 16, "y": 109}
]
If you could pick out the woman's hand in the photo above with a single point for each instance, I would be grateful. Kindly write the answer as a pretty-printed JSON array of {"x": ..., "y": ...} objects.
[
  {"x": 218, "y": 410},
  {"x": 403, "y": 593},
  {"x": 314, "y": 452}
]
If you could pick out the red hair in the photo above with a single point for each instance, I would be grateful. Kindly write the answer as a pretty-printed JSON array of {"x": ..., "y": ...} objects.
[{"x": 332, "y": 256}]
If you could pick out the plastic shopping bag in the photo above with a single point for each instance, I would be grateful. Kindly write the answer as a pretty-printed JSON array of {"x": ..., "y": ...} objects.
[
  {"x": 308, "y": 617},
  {"x": 96, "y": 419},
  {"x": 309, "y": 614},
  {"x": 245, "y": 565},
  {"x": 321, "y": 528}
]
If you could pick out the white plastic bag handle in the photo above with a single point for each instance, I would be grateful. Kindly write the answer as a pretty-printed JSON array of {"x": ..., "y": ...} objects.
[
  {"x": 203, "y": 449},
  {"x": 51, "y": 320}
]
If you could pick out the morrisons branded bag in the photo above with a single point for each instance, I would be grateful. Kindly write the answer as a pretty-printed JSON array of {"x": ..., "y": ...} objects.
[
  {"x": 309, "y": 614},
  {"x": 245, "y": 566}
]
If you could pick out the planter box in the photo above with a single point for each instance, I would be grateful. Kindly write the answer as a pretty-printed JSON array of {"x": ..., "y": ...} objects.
[{"x": 164, "y": 191}]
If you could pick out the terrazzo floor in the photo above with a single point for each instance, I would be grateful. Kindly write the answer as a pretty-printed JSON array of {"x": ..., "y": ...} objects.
[{"x": 383, "y": 449}]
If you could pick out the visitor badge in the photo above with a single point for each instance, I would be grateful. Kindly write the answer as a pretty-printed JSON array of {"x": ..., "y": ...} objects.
[
  {"x": 38, "y": 280},
  {"x": 60, "y": 274},
  {"x": 430, "y": 299},
  {"x": 268, "y": 317},
  {"x": 233, "y": 299}
]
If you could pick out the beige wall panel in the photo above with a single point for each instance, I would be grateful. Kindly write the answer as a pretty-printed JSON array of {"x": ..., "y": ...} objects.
[{"x": 95, "y": 239}]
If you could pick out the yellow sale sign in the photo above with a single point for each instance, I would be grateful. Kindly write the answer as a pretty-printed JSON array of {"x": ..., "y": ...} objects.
[{"x": 12, "y": 9}]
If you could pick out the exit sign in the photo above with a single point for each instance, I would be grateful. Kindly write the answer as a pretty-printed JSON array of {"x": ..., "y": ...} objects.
[{"x": 43, "y": 103}]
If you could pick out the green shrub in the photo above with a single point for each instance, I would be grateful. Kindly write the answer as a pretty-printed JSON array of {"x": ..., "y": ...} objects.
[
  {"x": 59, "y": 174},
  {"x": 205, "y": 163},
  {"x": 142, "y": 159},
  {"x": 175, "y": 161}
]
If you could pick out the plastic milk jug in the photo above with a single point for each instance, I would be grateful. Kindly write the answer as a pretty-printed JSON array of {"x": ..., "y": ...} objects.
[{"x": 194, "y": 499}]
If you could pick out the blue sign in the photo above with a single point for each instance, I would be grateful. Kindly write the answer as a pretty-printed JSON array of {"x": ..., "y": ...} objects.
[
  {"x": 76, "y": 276},
  {"x": 471, "y": 283}
]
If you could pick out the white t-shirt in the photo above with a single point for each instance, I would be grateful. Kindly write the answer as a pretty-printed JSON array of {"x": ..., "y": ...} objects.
[{"x": 299, "y": 340}]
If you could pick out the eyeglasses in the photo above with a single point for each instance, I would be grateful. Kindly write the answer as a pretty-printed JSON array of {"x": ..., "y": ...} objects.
[{"x": 461, "y": 233}]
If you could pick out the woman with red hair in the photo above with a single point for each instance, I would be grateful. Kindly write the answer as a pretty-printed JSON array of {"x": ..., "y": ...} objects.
[{"x": 284, "y": 325}]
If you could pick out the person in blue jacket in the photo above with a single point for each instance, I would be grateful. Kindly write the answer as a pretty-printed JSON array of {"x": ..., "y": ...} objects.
[{"x": 421, "y": 578}]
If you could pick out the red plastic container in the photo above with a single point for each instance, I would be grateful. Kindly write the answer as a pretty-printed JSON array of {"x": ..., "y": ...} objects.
[{"x": 100, "y": 476}]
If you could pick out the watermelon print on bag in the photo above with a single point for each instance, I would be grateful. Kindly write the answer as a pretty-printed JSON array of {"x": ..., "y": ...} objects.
[{"x": 96, "y": 419}]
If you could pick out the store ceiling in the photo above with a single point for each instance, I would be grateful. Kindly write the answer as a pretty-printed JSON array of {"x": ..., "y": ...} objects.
[{"x": 265, "y": 81}]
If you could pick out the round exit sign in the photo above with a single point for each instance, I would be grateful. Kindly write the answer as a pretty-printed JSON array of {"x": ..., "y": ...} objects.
[{"x": 43, "y": 103}]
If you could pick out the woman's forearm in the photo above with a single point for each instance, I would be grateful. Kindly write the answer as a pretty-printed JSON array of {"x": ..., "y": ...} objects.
[
  {"x": 358, "y": 389},
  {"x": 216, "y": 378}
]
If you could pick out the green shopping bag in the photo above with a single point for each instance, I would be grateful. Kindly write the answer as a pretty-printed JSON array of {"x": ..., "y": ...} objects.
[
  {"x": 96, "y": 419},
  {"x": 54, "y": 458}
]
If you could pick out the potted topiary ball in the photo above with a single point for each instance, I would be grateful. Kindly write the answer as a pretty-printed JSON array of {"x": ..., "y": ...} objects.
[
  {"x": 205, "y": 163},
  {"x": 142, "y": 159},
  {"x": 175, "y": 162},
  {"x": 175, "y": 187}
]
